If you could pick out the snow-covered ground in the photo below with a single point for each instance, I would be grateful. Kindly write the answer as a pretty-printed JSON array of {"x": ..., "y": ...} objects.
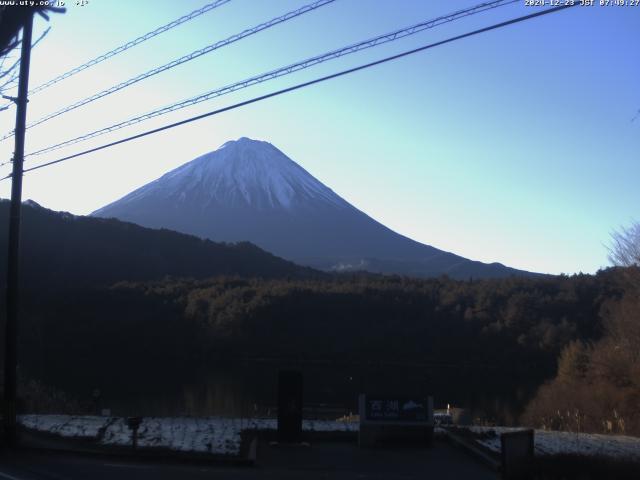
[
  {"x": 84, "y": 427},
  {"x": 552, "y": 443},
  {"x": 222, "y": 436},
  {"x": 219, "y": 436}
]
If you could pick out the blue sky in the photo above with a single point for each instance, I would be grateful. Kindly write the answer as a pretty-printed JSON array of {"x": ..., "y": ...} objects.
[{"x": 515, "y": 146}]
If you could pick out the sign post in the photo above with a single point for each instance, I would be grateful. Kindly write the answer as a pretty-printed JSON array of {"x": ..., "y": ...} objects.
[
  {"x": 289, "y": 406},
  {"x": 395, "y": 419}
]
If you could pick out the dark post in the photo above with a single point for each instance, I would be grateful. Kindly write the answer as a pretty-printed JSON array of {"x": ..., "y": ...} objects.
[
  {"x": 517, "y": 454},
  {"x": 290, "y": 406},
  {"x": 11, "y": 326},
  {"x": 134, "y": 424}
]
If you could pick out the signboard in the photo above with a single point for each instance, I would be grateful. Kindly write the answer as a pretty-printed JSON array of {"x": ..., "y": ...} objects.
[
  {"x": 397, "y": 409},
  {"x": 395, "y": 419}
]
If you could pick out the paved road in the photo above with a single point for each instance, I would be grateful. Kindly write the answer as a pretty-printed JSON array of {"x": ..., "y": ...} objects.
[{"x": 320, "y": 461}]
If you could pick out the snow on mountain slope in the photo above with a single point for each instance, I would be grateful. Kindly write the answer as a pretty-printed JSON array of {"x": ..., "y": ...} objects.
[
  {"x": 248, "y": 190},
  {"x": 242, "y": 173}
]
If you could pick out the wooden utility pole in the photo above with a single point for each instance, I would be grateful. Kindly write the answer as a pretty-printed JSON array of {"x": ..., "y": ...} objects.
[{"x": 11, "y": 325}]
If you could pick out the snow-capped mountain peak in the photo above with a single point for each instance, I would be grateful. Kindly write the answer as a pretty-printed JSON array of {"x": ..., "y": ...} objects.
[{"x": 242, "y": 172}]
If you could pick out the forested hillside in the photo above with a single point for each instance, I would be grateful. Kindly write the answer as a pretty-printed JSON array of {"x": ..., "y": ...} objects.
[
  {"x": 64, "y": 251},
  {"x": 516, "y": 325}
]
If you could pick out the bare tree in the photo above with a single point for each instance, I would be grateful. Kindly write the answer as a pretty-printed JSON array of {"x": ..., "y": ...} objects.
[
  {"x": 624, "y": 250},
  {"x": 12, "y": 18},
  {"x": 11, "y": 22}
]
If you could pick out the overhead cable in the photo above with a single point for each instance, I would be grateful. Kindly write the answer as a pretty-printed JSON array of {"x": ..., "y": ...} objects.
[{"x": 301, "y": 85}]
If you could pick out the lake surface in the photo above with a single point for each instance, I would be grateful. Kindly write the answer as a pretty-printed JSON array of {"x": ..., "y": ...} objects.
[{"x": 249, "y": 389}]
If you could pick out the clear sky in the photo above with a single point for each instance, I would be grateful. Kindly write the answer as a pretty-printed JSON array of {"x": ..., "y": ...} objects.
[{"x": 516, "y": 146}]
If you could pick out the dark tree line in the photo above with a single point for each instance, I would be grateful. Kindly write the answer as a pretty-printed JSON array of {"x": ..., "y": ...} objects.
[{"x": 171, "y": 326}]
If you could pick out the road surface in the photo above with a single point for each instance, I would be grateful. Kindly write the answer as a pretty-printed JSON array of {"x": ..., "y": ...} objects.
[{"x": 319, "y": 461}]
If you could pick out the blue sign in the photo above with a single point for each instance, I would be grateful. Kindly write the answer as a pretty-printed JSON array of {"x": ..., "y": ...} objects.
[{"x": 397, "y": 409}]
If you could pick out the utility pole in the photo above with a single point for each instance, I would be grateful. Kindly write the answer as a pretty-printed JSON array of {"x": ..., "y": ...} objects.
[{"x": 11, "y": 325}]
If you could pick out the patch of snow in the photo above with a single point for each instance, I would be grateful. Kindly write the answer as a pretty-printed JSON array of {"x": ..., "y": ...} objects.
[
  {"x": 203, "y": 435},
  {"x": 219, "y": 436},
  {"x": 222, "y": 436},
  {"x": 554, "y": 442},
  {"x": 86, "y": 427}
]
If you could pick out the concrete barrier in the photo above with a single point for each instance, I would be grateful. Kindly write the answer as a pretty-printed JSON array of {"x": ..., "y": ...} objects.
[{"x": 517, "y": 454}]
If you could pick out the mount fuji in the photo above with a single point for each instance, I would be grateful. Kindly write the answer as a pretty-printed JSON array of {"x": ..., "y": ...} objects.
[{"x": 248, "y": 190}]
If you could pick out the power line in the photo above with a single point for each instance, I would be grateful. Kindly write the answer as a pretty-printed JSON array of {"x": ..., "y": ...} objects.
[
  {"x": 301, "y": 65},
  {"x": 142, "y": 38},
  {"x": 302, "y": 85},
  {"x": 130, "y": 44},
  {"x": 14, "y": 77},
  {"x": 179, "y": 61}
]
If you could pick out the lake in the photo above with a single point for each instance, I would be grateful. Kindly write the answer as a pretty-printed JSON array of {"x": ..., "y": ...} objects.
[{"x": 248, "y": 388}]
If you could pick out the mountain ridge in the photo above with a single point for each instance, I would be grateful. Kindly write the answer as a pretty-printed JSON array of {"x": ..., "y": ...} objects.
[{"x": 62, "y": 250}]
